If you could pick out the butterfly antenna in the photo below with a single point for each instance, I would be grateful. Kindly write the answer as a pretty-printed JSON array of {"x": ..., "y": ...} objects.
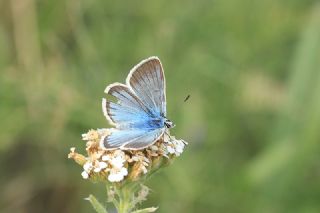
[{"x": 187, "y": 98}]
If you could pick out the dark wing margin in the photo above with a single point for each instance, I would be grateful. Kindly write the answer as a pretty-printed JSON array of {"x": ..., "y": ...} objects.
[
  {"x": 147, "y": 80},
  {"x": 131, "y": 139}
]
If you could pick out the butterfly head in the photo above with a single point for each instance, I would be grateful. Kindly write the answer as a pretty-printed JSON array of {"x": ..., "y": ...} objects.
[{"x": 169, "y": 124}]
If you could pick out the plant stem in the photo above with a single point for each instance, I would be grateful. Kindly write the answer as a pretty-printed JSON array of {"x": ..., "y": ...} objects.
[
  {"x": 125, "y": 197},
  {"x": 126, "y": 194}
]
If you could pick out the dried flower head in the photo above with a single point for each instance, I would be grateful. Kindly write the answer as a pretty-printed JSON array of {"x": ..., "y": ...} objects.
[{"x": 119, "y": 165}]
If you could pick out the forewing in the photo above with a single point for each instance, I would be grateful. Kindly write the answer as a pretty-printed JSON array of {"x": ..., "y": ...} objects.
[
  {"x": 132, "y": 139},
  {"x": 128, "y": 109},
  {"x": 148, "y": 82}
]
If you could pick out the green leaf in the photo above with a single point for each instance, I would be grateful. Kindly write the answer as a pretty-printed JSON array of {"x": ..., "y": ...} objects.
[
  {"x": 146, "y": 210},
  {"x": 96, "y": 204}
]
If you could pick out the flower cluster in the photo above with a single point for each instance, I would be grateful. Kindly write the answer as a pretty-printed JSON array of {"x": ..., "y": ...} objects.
[{"x": 119, "y": 165}]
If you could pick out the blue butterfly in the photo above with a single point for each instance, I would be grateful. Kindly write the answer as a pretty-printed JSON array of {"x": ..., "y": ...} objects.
[{"x": 139, "y": 113}]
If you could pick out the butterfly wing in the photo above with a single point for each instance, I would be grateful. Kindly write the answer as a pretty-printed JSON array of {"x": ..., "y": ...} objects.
[
  {"x": 148, "y": 83},
  {"x": 139, "y": 111},
  {"x": 133, "y": 139},
  {"x": 128, "y": 111}
]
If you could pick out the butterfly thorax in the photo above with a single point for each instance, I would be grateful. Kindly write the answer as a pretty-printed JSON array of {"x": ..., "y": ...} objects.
[{"x": 161, "y": 122}]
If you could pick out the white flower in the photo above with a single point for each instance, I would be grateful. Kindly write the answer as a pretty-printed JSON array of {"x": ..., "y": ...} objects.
[
  {"x": 105, "y": 157},
  {"x": 117, "y": 161},
  {"x": 85, "y": 137},
  {"x": 72, "y": 149},
  {"x": 85, "y": 175},
  {"x": 173, "y": 146},
  {"x": 87, "y": 167},
  {"x": 117, "y": 175},
  {"x": 179, "y": 146},
  {"x": 101, "y": 165},
  {"x": 114, "y": 164},
  {"x": 97, "y": 169},
  {"x": 170, "y": 149}
]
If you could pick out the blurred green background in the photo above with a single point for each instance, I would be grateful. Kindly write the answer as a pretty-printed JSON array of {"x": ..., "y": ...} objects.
[{"x": 252, "y": 69}]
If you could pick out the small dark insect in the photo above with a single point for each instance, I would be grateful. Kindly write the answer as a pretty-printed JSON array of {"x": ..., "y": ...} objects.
[{"x": 188, "y": 96}]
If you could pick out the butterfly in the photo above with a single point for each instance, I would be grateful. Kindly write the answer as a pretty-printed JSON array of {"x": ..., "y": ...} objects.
[{"x": 139, "y": 111}]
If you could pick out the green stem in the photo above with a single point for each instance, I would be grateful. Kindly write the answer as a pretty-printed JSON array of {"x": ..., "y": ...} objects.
[
  {"x": 126, "y": 196},
  {"x": 124, "y": 202}
]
